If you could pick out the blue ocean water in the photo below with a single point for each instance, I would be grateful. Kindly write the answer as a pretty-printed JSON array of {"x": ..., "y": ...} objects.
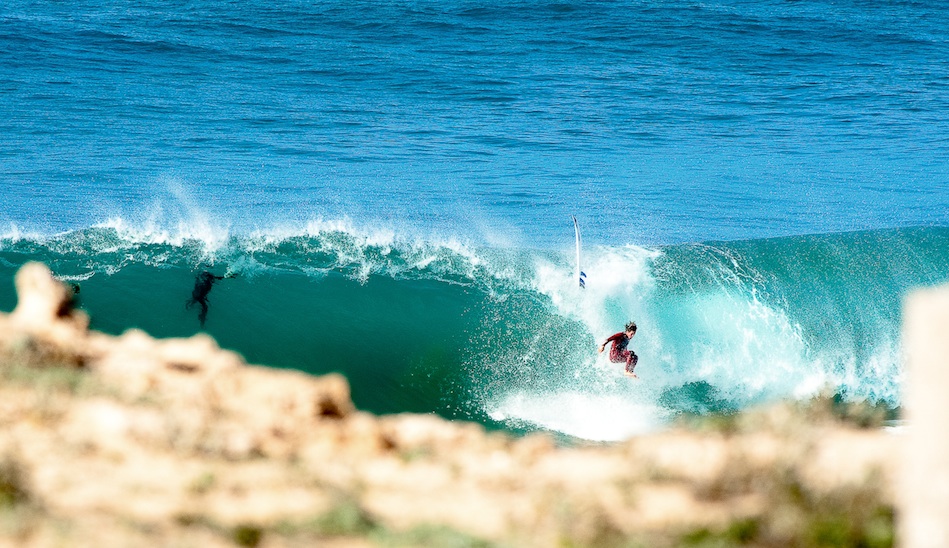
[{"x": 758, "y": 184}]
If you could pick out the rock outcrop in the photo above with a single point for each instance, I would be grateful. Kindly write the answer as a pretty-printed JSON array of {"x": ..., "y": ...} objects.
[
  {"x": 132, "y": 441},
  {"x": 924, "y": 453}
]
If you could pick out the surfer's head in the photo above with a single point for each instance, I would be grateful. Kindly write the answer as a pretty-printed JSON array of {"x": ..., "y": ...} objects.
[{"x": 631, "y": 327}]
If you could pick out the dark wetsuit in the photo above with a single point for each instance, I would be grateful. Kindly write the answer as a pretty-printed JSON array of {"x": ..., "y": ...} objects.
[
  {"x": 199, "y": 295},
  {"x": 619, "y": 353}
]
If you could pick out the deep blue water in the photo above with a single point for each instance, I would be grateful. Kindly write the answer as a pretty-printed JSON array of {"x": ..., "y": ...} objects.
[
  {"x": 758, "y": 184},
  {"x": 654, "y": 121}
]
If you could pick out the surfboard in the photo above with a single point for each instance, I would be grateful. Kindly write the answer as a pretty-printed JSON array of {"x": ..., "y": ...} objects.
[{"x": 581, "y": 275}]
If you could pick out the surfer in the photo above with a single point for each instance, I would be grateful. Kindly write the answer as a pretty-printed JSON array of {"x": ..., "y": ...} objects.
[
  {"x": 619, "y": 352},
  {"x": 199, "y": 295}
]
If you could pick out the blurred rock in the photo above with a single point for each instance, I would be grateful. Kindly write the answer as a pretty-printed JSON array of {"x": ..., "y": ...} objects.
[
  {"x": 924, "y": 477},
  {"x": 133, "y": 441}
]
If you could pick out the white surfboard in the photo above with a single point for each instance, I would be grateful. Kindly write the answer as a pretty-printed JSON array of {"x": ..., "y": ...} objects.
[{"x": 581, "y": 275}]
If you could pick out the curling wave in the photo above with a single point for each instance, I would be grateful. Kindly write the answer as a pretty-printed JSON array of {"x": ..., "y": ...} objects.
[{"x": 504, "y": 336}]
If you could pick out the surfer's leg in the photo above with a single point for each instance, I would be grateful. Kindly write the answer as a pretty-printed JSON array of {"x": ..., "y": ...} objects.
[
  {"x": 631, "y": 360},
  {"x": 203, "y": 315}
]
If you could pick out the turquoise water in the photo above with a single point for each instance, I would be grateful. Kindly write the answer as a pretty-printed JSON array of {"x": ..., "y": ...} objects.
[
  {"x": 758, "y": 183},
  {"x": 505, "y": 337}
]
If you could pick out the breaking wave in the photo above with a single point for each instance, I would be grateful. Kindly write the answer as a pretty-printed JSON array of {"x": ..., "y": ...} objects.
[{"x": 503, "y": 336}]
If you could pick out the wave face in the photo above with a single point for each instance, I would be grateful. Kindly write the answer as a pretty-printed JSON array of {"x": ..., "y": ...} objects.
[{"x": 503, "y": 336}]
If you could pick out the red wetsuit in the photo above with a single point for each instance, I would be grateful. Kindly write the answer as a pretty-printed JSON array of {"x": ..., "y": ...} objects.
[{"x": 619, "y": 353}]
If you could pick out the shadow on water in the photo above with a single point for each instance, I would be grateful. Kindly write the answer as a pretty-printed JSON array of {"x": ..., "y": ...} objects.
[{"x": 698, "y": 398}]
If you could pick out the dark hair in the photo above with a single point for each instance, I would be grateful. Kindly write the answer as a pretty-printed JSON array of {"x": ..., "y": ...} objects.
[{"x": 631, "y": 326}]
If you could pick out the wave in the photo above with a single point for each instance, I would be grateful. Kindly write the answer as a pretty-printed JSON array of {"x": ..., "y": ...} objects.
[{"x": 503, "y": 336}]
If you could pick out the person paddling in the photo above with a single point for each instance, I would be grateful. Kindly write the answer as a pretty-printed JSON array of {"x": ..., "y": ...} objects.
[{"x": 619, "y": 353}]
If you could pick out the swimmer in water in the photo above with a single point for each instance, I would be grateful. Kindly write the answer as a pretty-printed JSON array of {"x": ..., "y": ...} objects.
[{"x": 199, "y": 295}]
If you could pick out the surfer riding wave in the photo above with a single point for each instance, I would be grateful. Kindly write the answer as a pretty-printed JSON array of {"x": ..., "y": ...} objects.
[{"x": 619, "y": 353}]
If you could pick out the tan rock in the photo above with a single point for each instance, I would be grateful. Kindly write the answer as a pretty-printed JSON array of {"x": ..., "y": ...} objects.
[
  {"x": 42, "y": 300},
  {"x": 178, "y": 442},
  {"x": 924, "y": 478}
]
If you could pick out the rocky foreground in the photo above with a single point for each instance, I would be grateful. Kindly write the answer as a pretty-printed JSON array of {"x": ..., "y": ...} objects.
[{"x": 132, "y": 441}]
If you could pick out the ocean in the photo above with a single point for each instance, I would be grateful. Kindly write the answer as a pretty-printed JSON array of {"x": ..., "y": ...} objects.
[{"x": 389, "y": 186}]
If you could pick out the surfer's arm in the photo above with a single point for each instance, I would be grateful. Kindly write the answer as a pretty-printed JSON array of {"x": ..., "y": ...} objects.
[{"x": 611, "y": 338}]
